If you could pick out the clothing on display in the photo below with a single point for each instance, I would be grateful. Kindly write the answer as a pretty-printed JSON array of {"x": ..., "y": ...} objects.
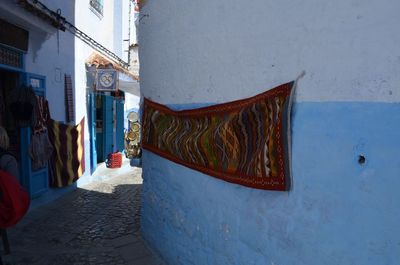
[
  {"x": 22, "y": 104},
  {"x": 40, "y": 149}
]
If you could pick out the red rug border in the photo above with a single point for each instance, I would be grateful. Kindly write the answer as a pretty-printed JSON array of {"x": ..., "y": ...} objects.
[
  {"x": 224, "y": 107},
  {"x": 218, "y": 175},
  {"x": 227, "y": 106}
]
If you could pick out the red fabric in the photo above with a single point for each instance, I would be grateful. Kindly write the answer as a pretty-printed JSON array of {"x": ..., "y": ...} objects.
[
  {"x": 14, "y": 200},
  {"x": 114, "y": 160}
]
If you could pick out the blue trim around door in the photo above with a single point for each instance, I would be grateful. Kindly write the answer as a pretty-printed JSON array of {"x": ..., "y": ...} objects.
[
  {"x": 36, "y": 182},
  {"x": 108, "y": 125},
  {"x": 120, "y": 124},
  {"x": 92, "y": 131}
]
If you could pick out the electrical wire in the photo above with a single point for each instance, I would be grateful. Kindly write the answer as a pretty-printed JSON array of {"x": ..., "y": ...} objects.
[{"x": 61, "y": 23}]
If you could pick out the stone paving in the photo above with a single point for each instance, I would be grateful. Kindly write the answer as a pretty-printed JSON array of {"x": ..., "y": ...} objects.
[{"x": 96, "y": 224}]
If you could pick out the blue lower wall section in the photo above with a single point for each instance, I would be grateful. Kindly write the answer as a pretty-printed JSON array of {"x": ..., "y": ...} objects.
[{"x": 339, "y": 211}]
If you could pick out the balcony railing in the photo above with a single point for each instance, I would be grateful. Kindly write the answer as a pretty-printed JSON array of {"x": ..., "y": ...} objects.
[{"x": 10, "y": 57}]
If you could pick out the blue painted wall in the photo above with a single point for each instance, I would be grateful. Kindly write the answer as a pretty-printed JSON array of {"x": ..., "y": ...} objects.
[{"x": 339, "y": 211}]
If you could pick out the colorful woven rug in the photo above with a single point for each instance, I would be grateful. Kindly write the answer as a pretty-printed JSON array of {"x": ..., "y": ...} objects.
[
  {"x": 244, "y": 142},
  {"x": 68, "y": 161}
]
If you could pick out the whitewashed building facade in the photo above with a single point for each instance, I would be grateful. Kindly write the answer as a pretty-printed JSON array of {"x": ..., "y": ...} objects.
[{"x": 67, "y": 41}]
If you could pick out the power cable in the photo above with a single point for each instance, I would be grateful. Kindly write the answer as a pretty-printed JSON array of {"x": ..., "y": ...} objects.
[{"x": 61, "y": 23}]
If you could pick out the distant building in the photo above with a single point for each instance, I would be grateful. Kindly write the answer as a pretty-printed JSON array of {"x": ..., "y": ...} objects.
[{"x": 74, "y": 54}]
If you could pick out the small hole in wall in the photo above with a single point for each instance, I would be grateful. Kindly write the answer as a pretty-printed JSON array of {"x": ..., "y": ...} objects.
[{"x": 361, "y": 159}]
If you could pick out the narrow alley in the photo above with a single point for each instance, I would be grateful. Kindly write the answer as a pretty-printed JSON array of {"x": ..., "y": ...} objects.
[
  {"x": 96, "y": 224},
  {"x": 265, "y": 133}
]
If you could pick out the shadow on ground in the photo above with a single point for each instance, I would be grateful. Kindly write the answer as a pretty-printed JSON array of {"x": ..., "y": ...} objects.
[{"x": 97, "y": 225}]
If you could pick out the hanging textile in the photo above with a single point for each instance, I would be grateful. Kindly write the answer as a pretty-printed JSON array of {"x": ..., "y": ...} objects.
[
  {"x": 22, "y": 104},
  {"x": 68, "y": 160},
  {"x": 40, "y": 148},
  {"x": 69, "y": 99},
  {"x": 244, "y": 142},
  {"x": 41, "y": 114}
]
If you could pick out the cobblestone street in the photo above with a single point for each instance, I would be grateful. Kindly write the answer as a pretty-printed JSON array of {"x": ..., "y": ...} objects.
[{"x": 96, "y": 224}]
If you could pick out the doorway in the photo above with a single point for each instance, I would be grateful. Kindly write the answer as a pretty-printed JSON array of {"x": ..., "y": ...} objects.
[
  {"x": 106, "y": 125},
  {"x": 35, "y": 181},
  {"x": 8, "y": 81}
]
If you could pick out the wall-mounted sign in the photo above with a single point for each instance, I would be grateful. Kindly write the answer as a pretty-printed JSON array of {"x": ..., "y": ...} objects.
[{"x": 107, "y": 80}]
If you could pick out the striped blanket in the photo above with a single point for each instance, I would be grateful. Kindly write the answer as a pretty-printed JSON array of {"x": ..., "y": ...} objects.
[
  {"x": 244, "y": 142},
  {"x": 68, "y": 161}
]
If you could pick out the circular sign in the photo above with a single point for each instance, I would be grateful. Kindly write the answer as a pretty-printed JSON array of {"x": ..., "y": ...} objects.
[{"x": 106, "y": 79}]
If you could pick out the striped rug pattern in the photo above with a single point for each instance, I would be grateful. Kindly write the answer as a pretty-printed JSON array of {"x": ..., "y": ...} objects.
[
  {"x": 68, "y": 160},
  {"x": 246, "y": 142}
]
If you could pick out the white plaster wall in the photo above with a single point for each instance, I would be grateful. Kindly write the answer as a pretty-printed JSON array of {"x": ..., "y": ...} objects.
[
  {"x": 131, "y": 101},
  {"x": 117, "y": 29},
  {"x": 192, "y": 51},
  {"x": 47, "y": 54},
  {"x": 54, "y": 65},
  {"x": 134, "y": 62},
  {"x": 54, "y": 55},
  {"x": 125, "y": 30},
  {"x": 97, "y": 28},
  {"x": 339, "y": 210},
  {"x": 101, "y": 30},
  {"x": 133, "y": 30}
]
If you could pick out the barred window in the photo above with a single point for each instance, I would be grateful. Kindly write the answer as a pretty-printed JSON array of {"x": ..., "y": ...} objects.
[
  {"x": 97, "y": 7},
  {"x": 11, "y": 57}
]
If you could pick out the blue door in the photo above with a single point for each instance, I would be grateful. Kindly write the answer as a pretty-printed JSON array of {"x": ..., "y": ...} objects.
[
  {"x": 92, "y": 131},
  {"x": 120, "y": 124},
  {"x": 108, "y": 125},
  {"x": 36, "y": 182}
]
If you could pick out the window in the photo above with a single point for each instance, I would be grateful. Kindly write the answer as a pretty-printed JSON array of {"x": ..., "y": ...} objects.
[
  {"x": 97, "y": 7},
  {"x": 11, "y": 57}
]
